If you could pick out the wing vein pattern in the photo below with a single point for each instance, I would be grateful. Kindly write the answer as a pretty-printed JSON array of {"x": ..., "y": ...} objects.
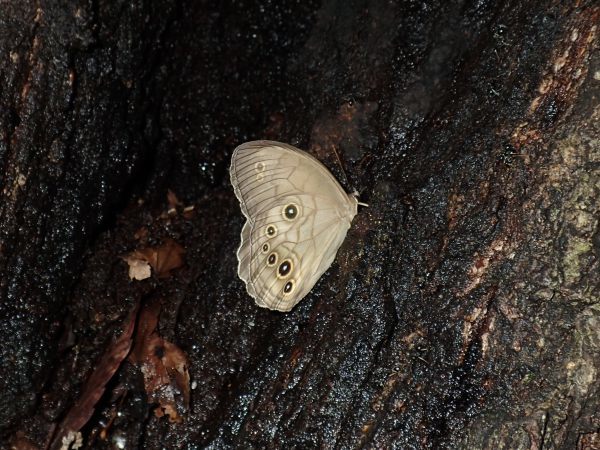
[{"x": 297, "y": 216}]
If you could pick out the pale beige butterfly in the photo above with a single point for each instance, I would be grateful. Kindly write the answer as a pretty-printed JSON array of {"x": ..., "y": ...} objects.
[{"x": 297, "y": 218}]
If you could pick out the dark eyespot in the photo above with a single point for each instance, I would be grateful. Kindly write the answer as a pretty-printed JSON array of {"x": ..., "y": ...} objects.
[
  {"x": 271, "y": 230},
  {"x": 289, "y": 287},
  {"x": 290, "y": 211},
  {"x": 259, "y": 166},
  {"x": 285, "y": 268},
  {"x": 265, "y": 247},
  {"x": 272, "y": 259}
]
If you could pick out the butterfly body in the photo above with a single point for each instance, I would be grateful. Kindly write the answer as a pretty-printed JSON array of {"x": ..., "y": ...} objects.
[{"x": 297, "y": 218}]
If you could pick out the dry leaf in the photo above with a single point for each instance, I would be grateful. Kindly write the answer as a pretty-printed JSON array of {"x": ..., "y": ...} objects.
[
  {"x": 174, "y": 203},
  {"x": 189, "y": 212},
  {"x": 169, "y": 256},
  {"x": 139, "y": 269},
  {"x": 172, "y": 200},
  {"x": 168, "y": 410},
  {"x": 72, "y": 441},
  {"x": 162, "y": 259},
  {"x": 94, "y": 386},
  {"x": 22, "y": 442},
  {"x": 163, "y": 364}
]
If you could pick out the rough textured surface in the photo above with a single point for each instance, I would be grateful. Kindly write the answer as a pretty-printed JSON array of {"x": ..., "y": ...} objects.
[
  {"x": 462, "y": 310},
  {"x": 77, "y": 119}
]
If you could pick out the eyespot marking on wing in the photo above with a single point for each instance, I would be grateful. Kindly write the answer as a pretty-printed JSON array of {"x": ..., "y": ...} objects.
[
  {"x": 288, "y": 288},
  {"x": 290, "y": 211},
  {"x": 285, "y": 268},
  {"x": 272, "y": 259},
  {"x": 271, "y": 231}
]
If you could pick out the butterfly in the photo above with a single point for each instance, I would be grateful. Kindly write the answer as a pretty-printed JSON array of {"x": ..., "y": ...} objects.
[{"x": 297, "y": 216}]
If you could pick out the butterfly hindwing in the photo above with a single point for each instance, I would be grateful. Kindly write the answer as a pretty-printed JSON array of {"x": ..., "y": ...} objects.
[{"x": 302, "y": 243}]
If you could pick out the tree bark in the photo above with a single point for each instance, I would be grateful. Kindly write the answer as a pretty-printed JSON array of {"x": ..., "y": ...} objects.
[
  {"x": 77, "y": 125},
  {"x": 463, "y": 308}
]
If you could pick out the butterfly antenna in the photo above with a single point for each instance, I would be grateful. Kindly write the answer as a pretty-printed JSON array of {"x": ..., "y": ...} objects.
[
  {"x": 337, "y": 156},
  {"x": 345, "y": 177}
]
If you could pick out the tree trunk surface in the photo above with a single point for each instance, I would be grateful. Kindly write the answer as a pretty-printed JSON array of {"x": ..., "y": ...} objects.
[{"x": 462, "y": 310}]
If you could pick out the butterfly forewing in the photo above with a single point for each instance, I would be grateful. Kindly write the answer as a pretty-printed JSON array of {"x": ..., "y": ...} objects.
[{"x": 297, "y": 217}]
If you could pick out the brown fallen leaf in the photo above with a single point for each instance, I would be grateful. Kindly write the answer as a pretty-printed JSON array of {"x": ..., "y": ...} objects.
[
  {"x": 21, "y": 442},
  {"x": 68, "y": 430},
  {"x": 163, "y": 259},
  {"x": 72, "y": 441},
  {"x": 189, "y": 212},
  {"x": 147, "y": 323},
  {"x": 139, "y": 269},
  {"x": 173, "y": 202},
  {"x": 167, "y": 410},
  {"x": 164, "y": 366},
  {"x": 175, "y": 206}
]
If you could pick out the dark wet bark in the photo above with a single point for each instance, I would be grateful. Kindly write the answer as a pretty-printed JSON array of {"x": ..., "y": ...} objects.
[{"x": 461, "y": 312}]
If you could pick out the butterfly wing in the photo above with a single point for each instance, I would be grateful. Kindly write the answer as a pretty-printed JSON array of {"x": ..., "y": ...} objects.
[{"x": 297, "y": 218}]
